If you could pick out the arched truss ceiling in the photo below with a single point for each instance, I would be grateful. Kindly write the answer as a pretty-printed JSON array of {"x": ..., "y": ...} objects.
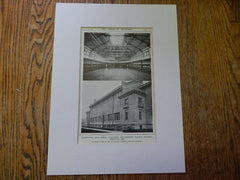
[{"x": 126, "y": 45}]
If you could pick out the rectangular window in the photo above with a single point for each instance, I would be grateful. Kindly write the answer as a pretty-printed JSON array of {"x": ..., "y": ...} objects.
[
  {"x": 109, "y": 117},
  {"x": 126, "y": 115},
  {"x": 139, "y": 101},
  {"x": 126, "y": 102},
  {"x": 117, "y": 116},
  {"x": 140, "y": 115}
]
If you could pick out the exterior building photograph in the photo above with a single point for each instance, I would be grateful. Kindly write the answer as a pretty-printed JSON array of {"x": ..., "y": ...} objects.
[
  {"x": 117, "y": 54},
  {"x": 127, "y": 107}
]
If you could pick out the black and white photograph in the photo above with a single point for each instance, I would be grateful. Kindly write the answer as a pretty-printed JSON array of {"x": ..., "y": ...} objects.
[
  {"x": 116, "y": 107},
  {"x": 116, "y": 94},
  {"x": 117, "y": 54}
]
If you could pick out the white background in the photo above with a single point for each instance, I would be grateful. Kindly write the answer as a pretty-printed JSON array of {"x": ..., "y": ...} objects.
[{"x": 65, "y": 156}]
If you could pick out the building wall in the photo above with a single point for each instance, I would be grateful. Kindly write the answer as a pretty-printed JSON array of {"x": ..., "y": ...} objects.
[
  {"x": 148, "y": 104},
  {"x": 102, "y": 113},
  {"x": 105, "y": 108},
  {"x": 133, "y": 109}
]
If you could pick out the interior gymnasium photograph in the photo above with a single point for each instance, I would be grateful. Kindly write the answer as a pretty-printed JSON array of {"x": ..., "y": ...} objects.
[{"x": 117, "y": 54}]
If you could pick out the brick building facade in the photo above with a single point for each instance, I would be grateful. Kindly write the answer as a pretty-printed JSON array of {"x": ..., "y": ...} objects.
[{"x": 126, "y": 108}]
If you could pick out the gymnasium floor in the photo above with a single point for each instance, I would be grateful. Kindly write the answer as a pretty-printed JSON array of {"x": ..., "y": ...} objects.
[{"x": 116, "y": 74}]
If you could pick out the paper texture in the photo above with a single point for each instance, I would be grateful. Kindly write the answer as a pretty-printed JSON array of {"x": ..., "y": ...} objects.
[
  {"x": 115, "y": 99},
  {"x": 116, "y": 96}
]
